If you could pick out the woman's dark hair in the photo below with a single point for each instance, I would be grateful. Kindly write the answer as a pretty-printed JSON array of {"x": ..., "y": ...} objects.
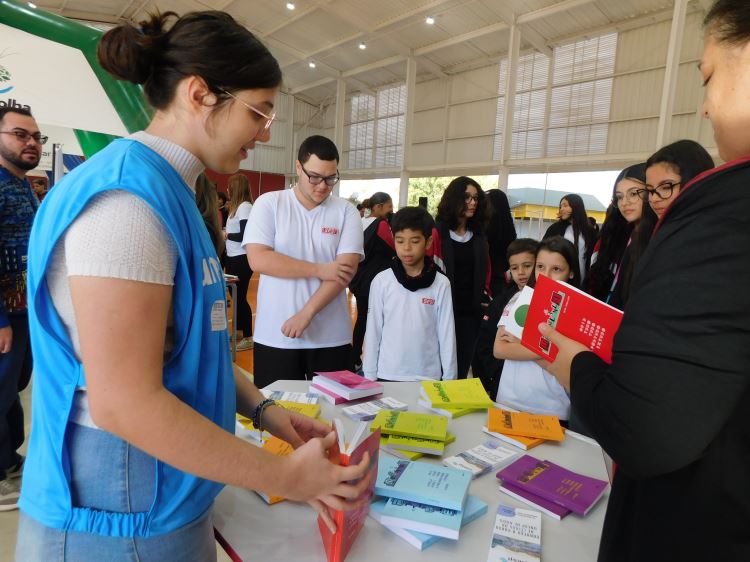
[
  {"x": 614, "y": 236},
  {"x": 564, "y": 247},
  {"x": 377, "y": 198},
  {"x": 500, "y": 228},
  {"x": 205, "y": 198},
  {"x": 322, "y": 147},
  {"x": 452, "y": 205},
  {"x": 687, "y": 157},
  {"x": 729, "y": 21},
  {"x": 413, "y": 218},
  {"x": 208, "y": 44}
]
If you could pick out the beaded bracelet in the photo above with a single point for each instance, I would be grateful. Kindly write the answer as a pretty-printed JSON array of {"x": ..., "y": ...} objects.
[{"x": 258, "y": 413}]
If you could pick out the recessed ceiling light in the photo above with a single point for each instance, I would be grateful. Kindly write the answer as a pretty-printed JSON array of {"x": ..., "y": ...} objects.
[
  {"x": 362, "y": 45},
  {"x": 429, "y": 20},
  {"x": 290, "y": 6},
  {"x": 311, "y": 64},
  {"x": 31, "y": 5}
]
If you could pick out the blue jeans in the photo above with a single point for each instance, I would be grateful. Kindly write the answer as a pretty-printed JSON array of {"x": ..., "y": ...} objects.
[{"x": 107, "y": 473}]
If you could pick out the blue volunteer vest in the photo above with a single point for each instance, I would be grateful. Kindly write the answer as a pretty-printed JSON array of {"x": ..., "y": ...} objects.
[{"x": 198, "y": 370}]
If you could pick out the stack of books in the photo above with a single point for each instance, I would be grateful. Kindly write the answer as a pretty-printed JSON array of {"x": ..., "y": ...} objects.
[
  {"x": 343, "y": 386},
  {"x": 550, "y": 488},
  {"x": 412, "y": 432},
  {"x": 521, "y": 429},
  {"x": 367, "y": 411},
  {"x": 454, "y": 398},
  {"x": 408, "y": 454},
  {"x": 244, "y": 426},
  {"x": 481, "y": 459},
  {"x": 423, "y": 503}
]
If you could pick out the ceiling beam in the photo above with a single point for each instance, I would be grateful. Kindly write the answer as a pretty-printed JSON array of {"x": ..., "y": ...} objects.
[
  {"x": 311, "y": 85},
  {"x": 373, "y": 65},
  {"x": 527, "y": 34},
  {"x": 548, "y": 11},
  {"x": 468, "y": 36}
]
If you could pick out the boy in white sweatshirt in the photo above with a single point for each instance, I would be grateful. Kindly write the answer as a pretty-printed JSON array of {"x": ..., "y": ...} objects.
[{"x": 410, "y": 332}]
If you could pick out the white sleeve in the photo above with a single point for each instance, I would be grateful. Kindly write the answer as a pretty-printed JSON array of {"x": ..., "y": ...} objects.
[
  {"x": 446, "y": 329},
  {"x": 374, "y": 330},
  {"x": 119, "y": 236},
  {"x": 352, "y": 236},
  {"x": 261, "y": 225}
]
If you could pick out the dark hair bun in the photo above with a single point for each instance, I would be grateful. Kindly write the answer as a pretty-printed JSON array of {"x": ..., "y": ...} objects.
[{"x": 128, "y": 53}]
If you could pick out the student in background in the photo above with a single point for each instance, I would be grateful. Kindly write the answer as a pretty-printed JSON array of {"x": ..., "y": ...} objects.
[
  {"x": 223, "y": 199},
  {"x": 500, "y": 232},
  {"x": 521, "y": 257},
  {"x": 460, "y": 249},
  {"x": 525, "y": 385},
  {"x": 671, "y": 168},
  {"x": 574, "y": 225},
  {"x": 379, "y": 251},
  {"x": 207, "y": 201},
  {"x": 672, "y": 407},
  {"x": 625, "y": 235},
  {"x": 410, "y": 333},
  {"x": 135, "y": 396},
  {"x": 239, "y": 207}
]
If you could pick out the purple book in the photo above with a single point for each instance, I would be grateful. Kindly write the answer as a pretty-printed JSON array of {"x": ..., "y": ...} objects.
[
  {"x": 545, "y": 506},
  {"x": 552, "y": 482}
]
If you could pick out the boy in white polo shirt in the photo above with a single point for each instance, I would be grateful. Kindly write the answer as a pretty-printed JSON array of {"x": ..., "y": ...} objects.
[
  {"x": 410, "y": 331},
  {"x": 306, "y": 245}
]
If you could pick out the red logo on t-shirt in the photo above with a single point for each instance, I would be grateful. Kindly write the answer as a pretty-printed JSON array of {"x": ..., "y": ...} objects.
[
  {"x": 329, "y": 230},
  {"x": 425, "y": 300}
]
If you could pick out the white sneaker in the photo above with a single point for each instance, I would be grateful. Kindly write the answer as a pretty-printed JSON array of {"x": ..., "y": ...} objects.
[
  {"x": 10, "y": 491},
  {"x": 245, "y": 344},
  {"x": 16, "y": 471}
]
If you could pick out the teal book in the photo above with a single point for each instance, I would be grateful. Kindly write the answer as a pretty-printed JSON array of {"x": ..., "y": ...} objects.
[
  {"x": 473, "y": 509},
  {"x": 422, "y": 482},
  {"x": 421, "y": 517}
]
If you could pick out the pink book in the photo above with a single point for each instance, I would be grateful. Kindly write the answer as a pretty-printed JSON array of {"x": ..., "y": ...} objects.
[
  {"x": 352, "y": 380},
  {"x": 552, "y": 482},
  {"x": 328, "y": 395}
]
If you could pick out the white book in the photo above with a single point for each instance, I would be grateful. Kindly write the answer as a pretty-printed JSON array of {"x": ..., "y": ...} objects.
[
  {"x": 530, "y": 503},
  {"x": 517, "y": 536},
  {"x": 299, "y": 397},
  {"x": 368, "y": 410},
  {"x": 507, "y": 438},
  {"x": 481, "y": 459}
]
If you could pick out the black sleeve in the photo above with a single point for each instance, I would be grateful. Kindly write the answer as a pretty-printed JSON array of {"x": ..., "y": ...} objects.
[
  {"x": 681, "y": 360},
  {"x": 490, "y": 368},
  {"x": 237, "y": 236}
]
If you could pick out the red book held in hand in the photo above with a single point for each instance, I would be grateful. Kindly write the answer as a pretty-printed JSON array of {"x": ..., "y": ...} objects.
[{"x": 574, "y": 314}]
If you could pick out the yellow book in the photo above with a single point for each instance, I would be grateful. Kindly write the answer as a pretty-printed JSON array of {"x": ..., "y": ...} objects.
[
  {"x": 426, "y": 446},
  {"x": 448, "y": 412},
  {"x": 245, "y": 427},
  {"x": 411, "y": 424},
  {"x": 403, "y": 453},
  {"x": 462, "y": 393},
  {"x": 280, "y": 448},
  {"x": 525, "y": 424}
]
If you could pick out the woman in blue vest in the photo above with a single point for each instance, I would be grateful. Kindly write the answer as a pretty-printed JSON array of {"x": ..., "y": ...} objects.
[{"x": 135, "y": 397}]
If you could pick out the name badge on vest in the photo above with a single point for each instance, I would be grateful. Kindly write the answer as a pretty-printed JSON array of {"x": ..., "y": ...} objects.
[{"x": 219, "y": 316}]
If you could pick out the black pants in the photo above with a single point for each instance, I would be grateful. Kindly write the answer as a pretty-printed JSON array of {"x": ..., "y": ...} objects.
[
  {"x": 358, "y": 337},
  {"x": 273, "y": 363},
  {"x": 239, "y": 266},
  {"x": 467, "y": 330},
  {"x": 15, "y": 372}
]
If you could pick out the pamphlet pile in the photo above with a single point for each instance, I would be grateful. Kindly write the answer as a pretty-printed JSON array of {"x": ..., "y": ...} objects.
[
  {"x": 368, "y": 410},
  {"x": 408, "y": 454},
  {"x": 549, "y": 487},
  {"x": 412, "y": 432},
  {"x": 343, "y": 386},
  {"x": 521, "y": 429},
  {"x": 481, "y": 459},
  {"x": 454, "y": 398},
  {"x": 349, "y": 523},
  {"x": 423, "y": 502}
]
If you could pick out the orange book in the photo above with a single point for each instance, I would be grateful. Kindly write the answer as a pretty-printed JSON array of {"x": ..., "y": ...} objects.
[
  {"x": 525, "y": 424},
  {"x": 280, "y": 448},
  {"x": 349, "y": 523}
]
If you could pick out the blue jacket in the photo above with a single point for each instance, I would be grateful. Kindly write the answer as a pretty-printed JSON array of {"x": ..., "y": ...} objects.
[{"x": 198, "y": 370}]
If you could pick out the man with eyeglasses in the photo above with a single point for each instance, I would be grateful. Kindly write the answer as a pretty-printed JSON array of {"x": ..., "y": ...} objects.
[
  {"x": 306, "y": 244},
  {"x": 20, "y": 151}
]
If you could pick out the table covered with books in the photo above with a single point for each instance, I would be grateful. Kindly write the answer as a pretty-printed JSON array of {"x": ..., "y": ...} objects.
[{"x": 289, "y": 531}]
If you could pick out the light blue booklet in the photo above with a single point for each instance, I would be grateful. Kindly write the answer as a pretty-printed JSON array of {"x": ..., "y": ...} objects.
[
  {"x": 422, "y": 482},
  {"x": 473, "y": 509}
]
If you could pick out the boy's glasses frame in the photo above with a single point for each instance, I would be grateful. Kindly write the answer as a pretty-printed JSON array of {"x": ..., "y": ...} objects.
[{"x": 316, "y": 179}]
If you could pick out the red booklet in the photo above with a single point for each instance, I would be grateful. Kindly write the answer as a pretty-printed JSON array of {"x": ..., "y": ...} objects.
[
  {"x": 350, "y": 523},
  {"x": 574, "y": 314}
]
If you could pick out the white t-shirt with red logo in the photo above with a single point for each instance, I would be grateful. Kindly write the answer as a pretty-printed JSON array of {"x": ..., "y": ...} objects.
[
  {"x": 410, "y": 334},
  {"x": 278, "y": 220}
]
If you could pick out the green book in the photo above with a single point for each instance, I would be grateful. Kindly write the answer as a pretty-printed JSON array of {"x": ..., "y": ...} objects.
[
  {"x": 462, "y": 393},
  {"x": 411, "y": 424},
  {"x": 426, "y": 446}
]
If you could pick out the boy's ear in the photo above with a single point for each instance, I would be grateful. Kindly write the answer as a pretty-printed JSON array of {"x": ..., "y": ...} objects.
[{"x": 428, "y": 243}]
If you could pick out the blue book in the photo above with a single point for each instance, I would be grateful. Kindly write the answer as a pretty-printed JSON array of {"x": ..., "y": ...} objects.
[
  {"x": 422, "y": 482},
  {"x": 473, "y": 509}
]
